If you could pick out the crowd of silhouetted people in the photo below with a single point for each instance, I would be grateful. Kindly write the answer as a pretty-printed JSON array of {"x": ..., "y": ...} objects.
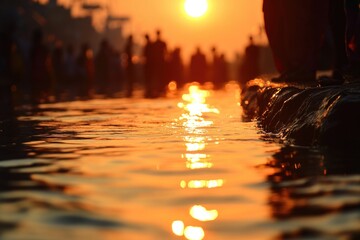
[
  {"x": 63, "y": 72},
  {"x": 162, "y": 66},
  {"x": 67, "y": 74}
]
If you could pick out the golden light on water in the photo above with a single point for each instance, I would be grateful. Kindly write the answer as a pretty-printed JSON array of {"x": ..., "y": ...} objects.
[
  {"x": 196, "y": 99},
  {"x": 191, "y": 147},
  {"x": 178, "y": 228},
  {"x": 202, "y": 183},
  {"x": 200, "y": 213},
  {"x": 195, "y": 107},
  {"x": 190, "y": 232},
  {"x": 194, "y": 233},
  {"x": 172, "y": 86},
  {"x": 197, "y": 161},
  {"x": 196, "y": 139}
]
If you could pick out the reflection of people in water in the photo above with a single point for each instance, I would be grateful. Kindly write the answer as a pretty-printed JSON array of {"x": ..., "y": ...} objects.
[{"x": 302, "y": 181}]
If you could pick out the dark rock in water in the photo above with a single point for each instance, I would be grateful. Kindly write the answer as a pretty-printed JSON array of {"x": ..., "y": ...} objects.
[{"x": 320, "y": 116}]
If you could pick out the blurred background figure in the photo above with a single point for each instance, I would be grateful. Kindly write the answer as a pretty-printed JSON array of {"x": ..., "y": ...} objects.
[
  {"x": 129, "y": 66},
  {"x": 215, "y": 69},
  {"x": 198, "y": 67},
  {"x": 70, "y": 82},
  {"x": 86, "y": 71},
  {"x": 148, "y": 67},
  {"x": 6, "y": 81},
  {"x": 250, "y": 68},
  {"x": 224, "y": 72},
  {"x": 159, "y": 64},
  {"x": 102, "y": 67},
  {"x": 40, "y": 68},
  {"x": 58, "y": 69},
  {"x": 117, "y": 72},
  {"x": 176, "y": 68}
]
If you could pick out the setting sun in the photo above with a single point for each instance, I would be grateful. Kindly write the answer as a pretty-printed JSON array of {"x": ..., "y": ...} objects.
[{"x": 196, "y": 8}]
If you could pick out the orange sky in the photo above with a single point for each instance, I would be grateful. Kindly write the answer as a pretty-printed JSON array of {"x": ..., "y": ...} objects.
[{"x": 226, "y": 24}]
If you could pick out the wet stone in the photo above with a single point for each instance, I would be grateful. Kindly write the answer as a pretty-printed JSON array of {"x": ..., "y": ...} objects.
[{"x": 315, "y": 116}]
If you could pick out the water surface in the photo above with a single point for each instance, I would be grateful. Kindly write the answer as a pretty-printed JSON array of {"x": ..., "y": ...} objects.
[{"x": 183, "y": 167}]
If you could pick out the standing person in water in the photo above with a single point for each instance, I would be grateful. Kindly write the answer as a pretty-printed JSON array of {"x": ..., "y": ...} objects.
[
  {"x": 129, "y": 66},
  {"x": 198, "y": 67},
  {"x": 295, "y": 30},
  {"x": 40, "y": 68},
  {"x": 148, "y": 66},
  {"x": 160, "y": 52}
]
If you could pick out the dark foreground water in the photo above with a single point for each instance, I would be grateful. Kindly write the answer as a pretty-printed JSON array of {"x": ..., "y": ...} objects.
[{"x": 184, "y": 167}]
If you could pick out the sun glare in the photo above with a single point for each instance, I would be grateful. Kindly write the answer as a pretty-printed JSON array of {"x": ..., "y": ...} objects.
[{"x": 196, "y": 8}]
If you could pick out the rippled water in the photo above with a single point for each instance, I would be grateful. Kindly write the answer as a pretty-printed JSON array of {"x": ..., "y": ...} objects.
[{"x": 183, "y": 167}]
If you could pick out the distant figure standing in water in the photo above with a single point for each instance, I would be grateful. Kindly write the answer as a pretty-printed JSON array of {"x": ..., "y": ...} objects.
[
  {"x": 176, "y": 68},
  {"x": 40, "y": 68},
  {"x": 224, "y": 72},
  {"x": 129, "y": 66},
  {"x": 159, "y": 65},
  {"x": 250, "y": 69},
  {"x": 198, "y": 67},
  {"x": 215, "y": 70},
  {"x": 102, "y": 67},
  {"x": 148, "y": 64},
  {"x": 85, "y": 71}
]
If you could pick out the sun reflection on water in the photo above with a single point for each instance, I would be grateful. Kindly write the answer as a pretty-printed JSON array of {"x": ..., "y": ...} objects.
[
  {"x": 195, "y": 121},
  {"x": 202, "y": 214},
  {"x": 197, "y": 160},
  {"x": 202, "y": 183}
]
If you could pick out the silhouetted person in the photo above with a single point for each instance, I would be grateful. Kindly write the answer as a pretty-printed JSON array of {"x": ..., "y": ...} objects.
[
  {"x": 58, "y": 66},
  {"x": 295, "y": 30},
  {"x": 40, "y": 60},
  {"x": 176, "y": 68},
  {"x": 215, "y": 71},
  {"x": 117, "y": 73},
  {"x": 148, "y": 55},
  {"x": 129, "y": 66},
  {"x": 102, "y": 67},
  {"x": 198, "y": 67},
  {"x": 159, "y": 51},
  {"x": 6, "y": 42},
  {"x": 70, "y": 83},
  {"x": 86, "y": 71},
  {"x": 250, "y": 67},
  {"x": 224, "y": 72}
]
